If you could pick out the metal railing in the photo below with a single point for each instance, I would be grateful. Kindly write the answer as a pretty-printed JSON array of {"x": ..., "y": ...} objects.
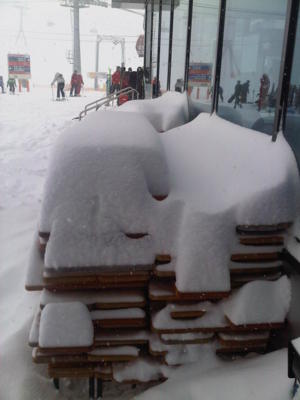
[{"x": 104, "y": 101}]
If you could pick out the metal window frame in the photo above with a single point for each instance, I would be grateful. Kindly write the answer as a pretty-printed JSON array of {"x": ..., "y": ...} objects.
[
  {"x": 151, "y": 41},
  {"x": 287, "y": 57},
  {"x": 145, "y": 29},
  {"x": 170, "y": 45},
  {"x": 158, "y": 45},
  {"x": 219, "y": 51},
  {"x": 188, "y": 44},
  {"x": 148, "y": 3}
]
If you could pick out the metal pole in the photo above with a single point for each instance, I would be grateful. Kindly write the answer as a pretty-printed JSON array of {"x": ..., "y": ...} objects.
[
  {"x": 286, "y": 66},
  {"x": 188, "y": 44},
  {"x": 216, "y": 83},
  {"x": 99, "y": 389},
  {"x": 151, "y": 42},
  {"x": 91, "y": 388},
  {"x": 158, "y": 46},
  {"x": 123, "y": 52},
  {"x": 145, "y": 35},
  {"x": 56, "y": 383},
  {"x": 76, "y": 44},
  {"x": 97, "y": 61},
  {"x": 170, "y": 45}
]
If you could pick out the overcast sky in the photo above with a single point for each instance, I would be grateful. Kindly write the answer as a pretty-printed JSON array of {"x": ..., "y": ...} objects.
[{"x": 48, "y": 37}]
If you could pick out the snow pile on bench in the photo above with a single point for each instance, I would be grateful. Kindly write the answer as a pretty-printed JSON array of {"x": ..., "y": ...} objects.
[
  {"x": 164, "y": 113},
  {"x": 65, "y": 325},
  {"x": 216, "y": 175},
  {"x": 260, "y": 302},
  {"x": 102, "y": 176},
  {"x": 214, "y": 318},
  {"x": 224, "y": 175}
]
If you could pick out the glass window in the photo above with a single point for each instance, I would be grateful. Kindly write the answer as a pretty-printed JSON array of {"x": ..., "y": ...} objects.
[
  {"x": 164, "y": 45},
  {"x": 179, "y": 44},
  {"x": 202, "y": 54},
  {"x": 251, "y": 60},
  {"x": 292, "y": 125}
]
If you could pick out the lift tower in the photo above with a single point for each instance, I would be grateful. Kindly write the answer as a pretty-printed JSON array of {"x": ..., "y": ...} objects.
[{"x": 75, "y": 6}]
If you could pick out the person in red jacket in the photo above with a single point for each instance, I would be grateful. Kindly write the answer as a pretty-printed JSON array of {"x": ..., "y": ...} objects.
[
  {"x": 116, "y": 80},
  {"x": 73, "y": 83},
  {"x": 78, "y": 85}
]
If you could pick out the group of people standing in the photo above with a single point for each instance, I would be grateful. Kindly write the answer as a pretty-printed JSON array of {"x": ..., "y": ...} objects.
[
  {"x": 122, "y": 79},
  {"x": 241, "y": 91},
  {"x": 75, "y": 87},
  {"x": 11, "y": 84},
  {"x": 265, "y": 98}
]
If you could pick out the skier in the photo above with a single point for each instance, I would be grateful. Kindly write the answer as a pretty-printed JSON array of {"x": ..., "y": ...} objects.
[
  {"x": 79, "y": 83},
  {"x": 60, "y": 85},
  {"x": 1, "y": 83},
  {"x": 116, "y": 80},
  {"x": 155, "y": 88},
  {"x": 140, "y": 82},
  {"x": 108, "y": 82},
  {"x": 179, "y": 85},
  {"x": 245, "y": 91},
  {"x": 133, "y": 82},
  {"x": 11, "y": 83},
  {"x": 73, "y": 83},
  {"x": 263, "y": 91},
  {"x": 297, "y": 99},
  {"x": 211, "y": 93},
  {"x": 236, "y": 95}
]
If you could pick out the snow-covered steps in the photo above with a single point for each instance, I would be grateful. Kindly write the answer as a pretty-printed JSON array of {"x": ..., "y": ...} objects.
[
  {"x": 103, "y": 372},
  {"x": 166, "y": 291},
  {"x": 116, "y": 353},
  {"x": 122, "y": 318},
  {"x": 186, "y": 338},
  {"x": 109, "y": 299},
  {"x": 121, "y": 337},
  {"x": 233, "y": 343}
]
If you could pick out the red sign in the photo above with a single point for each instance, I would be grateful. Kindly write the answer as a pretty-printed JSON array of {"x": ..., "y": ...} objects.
[
  {"x": 19, "y": 66},
  {"x": 200, "y": 74}
]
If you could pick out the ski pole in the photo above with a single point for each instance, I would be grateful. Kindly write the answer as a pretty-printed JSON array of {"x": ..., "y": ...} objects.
[{"x": 52, "y": 93}]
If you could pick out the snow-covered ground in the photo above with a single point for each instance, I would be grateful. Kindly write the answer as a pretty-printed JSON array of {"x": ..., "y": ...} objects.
[{"x": 29, "y": 125}]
